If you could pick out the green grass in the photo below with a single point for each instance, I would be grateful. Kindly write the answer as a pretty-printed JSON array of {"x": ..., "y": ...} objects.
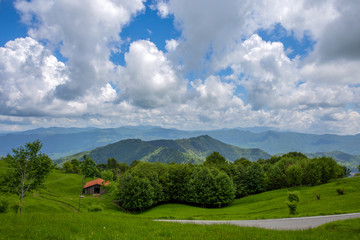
[
  {"x": 124, "y": 226},
  {"x": 51, "y": 213},
  {"x": 272, "y": 204}
]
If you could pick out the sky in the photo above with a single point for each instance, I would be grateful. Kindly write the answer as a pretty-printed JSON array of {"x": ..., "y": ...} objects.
[{"x": 188, "y": 64}]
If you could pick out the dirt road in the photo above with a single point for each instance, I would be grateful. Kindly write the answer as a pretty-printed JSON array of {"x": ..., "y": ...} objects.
[{"x": 279, "y": 224}]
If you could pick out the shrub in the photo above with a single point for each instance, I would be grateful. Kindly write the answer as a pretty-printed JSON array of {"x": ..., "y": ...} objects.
[
  {"x": 292, "y": 207},
  {"x": 340, "y": 190},
  {"x": 293, "y": 196},
  {"x": 4, "y": 205},
  {"x": 293, "y": 199},
  {"x": 95, "y": 208}
]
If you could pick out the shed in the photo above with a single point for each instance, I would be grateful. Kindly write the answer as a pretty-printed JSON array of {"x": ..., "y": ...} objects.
[{"x": 95, "y": 186}]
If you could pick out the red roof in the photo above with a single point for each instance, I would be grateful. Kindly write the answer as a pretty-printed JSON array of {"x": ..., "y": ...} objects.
[{"x": 97, "y": 181}]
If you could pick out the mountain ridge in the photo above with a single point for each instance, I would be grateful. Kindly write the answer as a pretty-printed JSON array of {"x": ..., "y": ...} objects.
[
  {"x": 60, "y": 142},
  {"x": 193, "y": 150}
]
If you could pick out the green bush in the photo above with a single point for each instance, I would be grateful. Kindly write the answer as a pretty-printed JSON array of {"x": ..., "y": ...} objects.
[
  {"x": 292, "y": 207},
  {"x": 293, "y": 196},
  {"x": 4, "y": 205},
  {"x": 340, "y": 190},
  {"x": 15, "y": 207},
  {"x": 95, "y": 208},
  {"x": 293, "y": 199}
]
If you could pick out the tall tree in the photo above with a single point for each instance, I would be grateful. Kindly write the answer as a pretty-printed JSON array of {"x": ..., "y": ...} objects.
[
  {"x": 27, "y": 169},
  {"x": 255, "y": 178},
  {"x": 215, "y": 158},
  {"x": 88, "y": 170}
]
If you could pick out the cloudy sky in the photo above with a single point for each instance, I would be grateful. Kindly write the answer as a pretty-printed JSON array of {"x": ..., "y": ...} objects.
[{"x": 190, "y": 64}]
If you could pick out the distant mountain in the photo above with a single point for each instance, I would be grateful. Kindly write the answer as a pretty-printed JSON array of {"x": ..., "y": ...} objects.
[
  {"x": 344, "y": 159},
  {"x": 283, "y": 142},
  {"x": 180, "y": 151},
  {"x": 60, "y": 142}
]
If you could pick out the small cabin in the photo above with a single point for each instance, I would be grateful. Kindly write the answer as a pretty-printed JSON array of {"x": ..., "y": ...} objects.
[{"x": 95, "y": 186}]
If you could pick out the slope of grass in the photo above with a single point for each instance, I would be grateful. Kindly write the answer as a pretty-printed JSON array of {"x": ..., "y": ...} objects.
[{"x": 272, "y": 204}]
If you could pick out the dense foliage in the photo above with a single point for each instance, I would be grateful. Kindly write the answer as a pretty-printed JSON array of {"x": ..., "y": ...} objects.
[{"x": 217, "y": 182}]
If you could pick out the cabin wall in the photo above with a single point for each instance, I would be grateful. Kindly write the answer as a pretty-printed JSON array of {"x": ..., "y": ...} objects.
[{"x": 94, "y": 190}]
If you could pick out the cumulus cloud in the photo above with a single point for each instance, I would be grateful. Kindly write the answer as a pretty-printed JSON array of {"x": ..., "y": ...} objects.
[
  {"x": 29, "y": 75},
  {"x": 84, "y": 31},
  {"x": 214, "y": 94},
  {"x": 336, "y": 41},
  {"x": 149, "y": 80}
]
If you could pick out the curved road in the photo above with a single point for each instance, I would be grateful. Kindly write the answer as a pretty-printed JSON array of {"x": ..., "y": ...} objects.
[{"x": 278, "y": 224}]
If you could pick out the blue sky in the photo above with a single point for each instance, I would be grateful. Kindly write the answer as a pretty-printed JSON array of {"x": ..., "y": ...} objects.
[{"x": 181, "y": 64}]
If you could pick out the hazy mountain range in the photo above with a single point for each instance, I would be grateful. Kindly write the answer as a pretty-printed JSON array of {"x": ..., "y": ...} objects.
[{"x": 60, "y": 142}]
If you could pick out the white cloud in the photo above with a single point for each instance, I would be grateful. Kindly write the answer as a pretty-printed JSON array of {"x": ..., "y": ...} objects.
[
  {"x": 149, "y": 80},
  {"x": 214, "y": 94},
  {"x": 85, "y": 31},
  {"x": 29, "y": 75},
  {"x": 171, "y": 45}
]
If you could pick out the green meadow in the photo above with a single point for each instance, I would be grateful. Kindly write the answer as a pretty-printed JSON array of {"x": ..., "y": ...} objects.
[{"x": 51, "y": 213}]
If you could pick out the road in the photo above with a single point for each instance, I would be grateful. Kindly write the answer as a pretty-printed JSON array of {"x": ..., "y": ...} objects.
[{"x": 278, "y": 224}]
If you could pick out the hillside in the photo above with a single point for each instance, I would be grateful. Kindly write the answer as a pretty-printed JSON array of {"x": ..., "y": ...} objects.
[{"x": 183, "y": 150}]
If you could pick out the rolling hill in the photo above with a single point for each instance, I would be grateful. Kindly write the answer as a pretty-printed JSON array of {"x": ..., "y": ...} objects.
[
  {"x": 183, "y": 150},
  {"x": 61, "y": 142}
]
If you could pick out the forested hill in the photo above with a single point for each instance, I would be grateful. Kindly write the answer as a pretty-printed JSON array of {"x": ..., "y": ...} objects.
[{"x": 183, "y": 150}]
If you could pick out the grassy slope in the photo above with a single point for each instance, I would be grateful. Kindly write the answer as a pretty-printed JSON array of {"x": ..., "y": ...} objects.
[
  {"x": 51, "y": 214},
  {"x": 272, "y": 204}
]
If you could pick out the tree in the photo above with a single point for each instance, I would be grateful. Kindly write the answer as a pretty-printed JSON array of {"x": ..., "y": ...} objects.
[
  {"x": 68, "y": 167},
  {"x": 276, "y": 178},
  {"x": 108, "y": 177},
  {"x": 201, "y": 187},
  {"x": 75, "y": 165},
  {"x": 225, "y": 189},
  {"x": 255, "y": 178},
  {"x": 179, "y": 175},
  {"x": 135, "y": 193},
  {"x": 245, "y": 162},
  {"x": 210, "y": 187},
  {"x": 88, "y": 170},
  {"x": 239, "y": 179},
  {"x": 215, "y": 158},
  {"x": 359, "y": 168},
  {"x": 312, "y": 173},
  {"x": 27, "y": 169},
  {"x": 112, "y": 163},
  {"x": 294, "y": 175}
]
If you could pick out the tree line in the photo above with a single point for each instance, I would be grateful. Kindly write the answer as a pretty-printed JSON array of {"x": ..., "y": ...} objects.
[{"x": 216, "y": 182}]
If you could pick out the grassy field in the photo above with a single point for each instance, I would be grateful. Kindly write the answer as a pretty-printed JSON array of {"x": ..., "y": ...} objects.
[
  {"x": 123, "y": 226},
  {"x": 272, "y": 204},
  {"x": 51, "y": 213}
]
